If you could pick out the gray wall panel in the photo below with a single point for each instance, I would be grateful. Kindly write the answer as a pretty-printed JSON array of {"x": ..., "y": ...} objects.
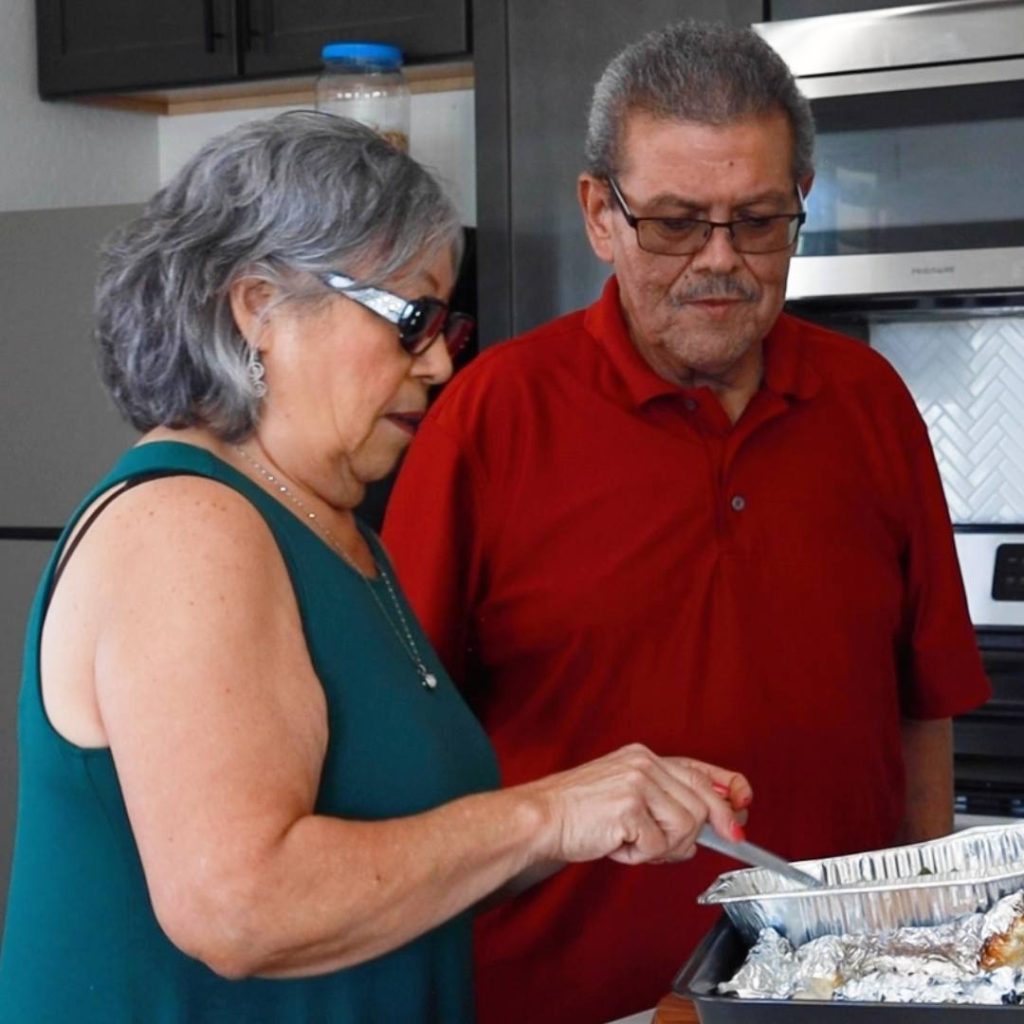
[{"x": 61, "y": 433}]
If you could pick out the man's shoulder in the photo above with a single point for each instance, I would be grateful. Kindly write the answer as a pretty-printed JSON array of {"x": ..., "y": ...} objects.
[
  {"x": 548, "y": 342},
  {"x": 521, "y": 366},
  {"x": 836, "y": 356}
]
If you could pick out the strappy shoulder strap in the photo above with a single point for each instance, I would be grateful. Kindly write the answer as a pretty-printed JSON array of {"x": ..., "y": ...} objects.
[{"x": 97, "y": 510}]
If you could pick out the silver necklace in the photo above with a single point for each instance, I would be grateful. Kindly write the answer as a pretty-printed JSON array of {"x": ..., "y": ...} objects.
[{"x": 403, "y": 634}]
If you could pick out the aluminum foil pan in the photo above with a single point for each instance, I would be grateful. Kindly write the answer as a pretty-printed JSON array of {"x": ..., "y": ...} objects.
[{"x": 922, "y": 884}]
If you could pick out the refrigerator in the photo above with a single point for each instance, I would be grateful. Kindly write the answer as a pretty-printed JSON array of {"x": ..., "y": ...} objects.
[
  {"x": 60, "y": 431},
  {"x": 535, "y": 66}
]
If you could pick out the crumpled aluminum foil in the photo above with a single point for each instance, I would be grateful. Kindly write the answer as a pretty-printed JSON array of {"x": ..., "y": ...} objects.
[{"x": 934, "y": 964}]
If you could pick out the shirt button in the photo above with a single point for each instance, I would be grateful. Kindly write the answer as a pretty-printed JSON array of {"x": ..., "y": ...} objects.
[
  {"x": 690, "y": 404},
  {"x": 738, "y": 503}
]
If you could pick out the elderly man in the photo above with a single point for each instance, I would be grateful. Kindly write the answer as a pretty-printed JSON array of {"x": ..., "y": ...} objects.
[{"x": 683, "y": 517}]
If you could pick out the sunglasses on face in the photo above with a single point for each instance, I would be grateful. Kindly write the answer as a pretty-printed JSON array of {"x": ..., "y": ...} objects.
[{"x": 419, "y": 321}]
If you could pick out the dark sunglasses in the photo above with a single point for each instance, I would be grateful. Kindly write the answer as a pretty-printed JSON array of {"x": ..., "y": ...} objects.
[{"x": 419, "y": 321}]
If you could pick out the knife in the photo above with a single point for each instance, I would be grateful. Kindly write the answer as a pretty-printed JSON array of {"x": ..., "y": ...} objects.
[{"x": 750, "y": 853}]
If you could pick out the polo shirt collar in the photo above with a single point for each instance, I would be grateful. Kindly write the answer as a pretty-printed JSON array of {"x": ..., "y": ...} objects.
[
  {"x": 606, "y": 322},
  {"x": 787, "y": 370}
]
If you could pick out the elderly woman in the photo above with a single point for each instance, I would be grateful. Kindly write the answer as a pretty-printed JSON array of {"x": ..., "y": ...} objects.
[{"x": 249, "y": 792}]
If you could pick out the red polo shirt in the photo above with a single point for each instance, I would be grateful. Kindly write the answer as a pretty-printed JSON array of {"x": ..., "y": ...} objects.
[{"x": 601, "y": 557}]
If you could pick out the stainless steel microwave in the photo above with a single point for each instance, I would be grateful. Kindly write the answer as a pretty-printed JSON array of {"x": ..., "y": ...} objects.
[{"x": 919, "y": 188}]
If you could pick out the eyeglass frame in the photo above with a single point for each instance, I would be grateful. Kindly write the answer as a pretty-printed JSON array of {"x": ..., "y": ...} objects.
[
  {"x": 796, "y": 220},
  {"x": 398, "y": 310}
]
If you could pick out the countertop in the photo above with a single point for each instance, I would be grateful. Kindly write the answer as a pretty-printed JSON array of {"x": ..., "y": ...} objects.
[{"x": 671, "y": 1010}]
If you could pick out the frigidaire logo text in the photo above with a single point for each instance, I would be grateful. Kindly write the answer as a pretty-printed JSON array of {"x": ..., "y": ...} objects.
[{"x": 932, "y": 270}]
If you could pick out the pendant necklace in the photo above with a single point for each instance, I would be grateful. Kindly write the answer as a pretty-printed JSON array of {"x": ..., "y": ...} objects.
[{"x": 402, "y": 631}]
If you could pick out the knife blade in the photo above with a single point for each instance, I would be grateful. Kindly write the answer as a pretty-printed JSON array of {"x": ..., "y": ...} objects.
[{"x": 751, "y": 853}]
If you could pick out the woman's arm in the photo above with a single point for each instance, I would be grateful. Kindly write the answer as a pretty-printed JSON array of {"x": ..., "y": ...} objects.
[{"x": 216, "y": 722}]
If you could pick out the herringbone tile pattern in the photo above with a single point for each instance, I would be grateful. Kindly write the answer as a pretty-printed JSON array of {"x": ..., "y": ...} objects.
[{"x": 967, "y": 377}]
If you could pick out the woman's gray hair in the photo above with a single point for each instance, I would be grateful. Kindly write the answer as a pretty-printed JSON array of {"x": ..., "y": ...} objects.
[
  {"x": 299, "y": 194},
  {"x": 703, "y": 72}
]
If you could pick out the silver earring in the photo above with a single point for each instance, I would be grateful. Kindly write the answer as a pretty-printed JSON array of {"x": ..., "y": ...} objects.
[{"x": 256, "y": 371}]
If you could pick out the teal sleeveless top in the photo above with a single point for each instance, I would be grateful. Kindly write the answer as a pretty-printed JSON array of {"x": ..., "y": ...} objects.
[{"x": 81, "y": 941}]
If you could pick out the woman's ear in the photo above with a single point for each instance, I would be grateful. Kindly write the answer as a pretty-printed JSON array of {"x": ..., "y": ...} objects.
[{"x": 250, "y": 299}]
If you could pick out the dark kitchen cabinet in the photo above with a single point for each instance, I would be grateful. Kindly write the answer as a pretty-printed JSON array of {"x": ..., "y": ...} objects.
[
  {"x": 107, "y": 45},
  {"x": 285, "y": 36},
  {"x": 92, "y": 46},
  {"x": 535, "y": 65}
]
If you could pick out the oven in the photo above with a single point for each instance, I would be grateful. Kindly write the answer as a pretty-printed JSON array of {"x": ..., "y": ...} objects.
[
  {"x": 989, "y": 742},
  {"x": 965, "y": 371},
  {"x": 914, "y": 242},
  {"x": 920, "y": 130}
]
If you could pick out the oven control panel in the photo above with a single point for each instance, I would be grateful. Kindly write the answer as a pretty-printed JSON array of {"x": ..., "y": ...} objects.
[
  {"x": 1008, "y": 579},
  {"x": 992, "y": 566}
]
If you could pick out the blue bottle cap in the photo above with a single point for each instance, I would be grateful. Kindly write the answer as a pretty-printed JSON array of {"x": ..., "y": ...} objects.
[{"x": 373, "y": 53}]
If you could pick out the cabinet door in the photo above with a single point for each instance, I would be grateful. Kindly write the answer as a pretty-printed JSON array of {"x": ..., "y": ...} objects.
[
  {"x": 100, "y": 45},
  {"x": 286, "y": 36}
]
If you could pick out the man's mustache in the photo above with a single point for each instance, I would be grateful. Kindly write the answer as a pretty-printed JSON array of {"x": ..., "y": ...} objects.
[{"x": 723, "y": 287}]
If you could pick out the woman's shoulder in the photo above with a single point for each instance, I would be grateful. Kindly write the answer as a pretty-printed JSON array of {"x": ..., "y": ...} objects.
[
  {"x": 187, "y": 514},
  {"x": 158, "y": 528}
]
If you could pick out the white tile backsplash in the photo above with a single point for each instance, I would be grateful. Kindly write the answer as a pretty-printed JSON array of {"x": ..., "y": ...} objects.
[{"x": 967, "y": 377}]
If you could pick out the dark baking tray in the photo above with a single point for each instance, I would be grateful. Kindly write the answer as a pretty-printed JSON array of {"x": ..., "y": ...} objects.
[{"x": 720, "y": 955}]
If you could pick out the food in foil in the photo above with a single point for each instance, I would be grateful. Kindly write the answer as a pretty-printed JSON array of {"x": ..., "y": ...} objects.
[{"x": 976, "y": 958}]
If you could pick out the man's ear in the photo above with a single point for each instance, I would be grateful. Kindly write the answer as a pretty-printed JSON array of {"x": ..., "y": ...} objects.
[
  {"x": 596, "y": 204},
  {"x": 805, "y": 183},
  {"x": 250, "y": 298}
]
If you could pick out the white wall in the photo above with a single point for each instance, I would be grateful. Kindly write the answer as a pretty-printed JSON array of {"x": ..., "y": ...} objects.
[
  {"x": 441, "y": 136},
  {"x": 56, "y": 154},
  {"x": 59, "y": 154}
]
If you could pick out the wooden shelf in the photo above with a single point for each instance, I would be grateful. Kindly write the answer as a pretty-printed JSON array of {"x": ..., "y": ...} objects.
[{"x": 270, "y": 92}]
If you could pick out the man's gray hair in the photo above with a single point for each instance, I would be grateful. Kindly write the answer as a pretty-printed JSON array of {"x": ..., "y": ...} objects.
[
  {"x": 281, "y": 199},
  {"x": 702, "y": 72}
]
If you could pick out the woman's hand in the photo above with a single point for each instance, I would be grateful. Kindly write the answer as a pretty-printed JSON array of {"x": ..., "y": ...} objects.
[{"x": 636, "y": 807}]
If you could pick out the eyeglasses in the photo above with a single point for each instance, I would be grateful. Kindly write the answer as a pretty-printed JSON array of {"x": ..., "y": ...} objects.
[
  {"x": 684, "y": 236},
  {"x": 419, "y": 321}
]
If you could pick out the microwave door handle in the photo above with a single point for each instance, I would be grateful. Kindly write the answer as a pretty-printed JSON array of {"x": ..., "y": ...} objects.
[{"x": 925, "y": 77}]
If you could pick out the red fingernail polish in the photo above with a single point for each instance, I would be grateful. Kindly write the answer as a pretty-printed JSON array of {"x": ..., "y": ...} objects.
[{"x": 737, "y": 832}]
